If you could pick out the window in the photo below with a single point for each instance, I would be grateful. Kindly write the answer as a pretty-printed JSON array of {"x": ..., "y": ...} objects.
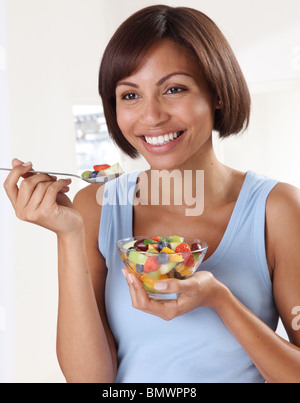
[{"x": 93, "y": 143}]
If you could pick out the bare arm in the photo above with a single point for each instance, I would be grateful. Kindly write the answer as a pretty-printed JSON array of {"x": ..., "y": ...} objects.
[
  {"x": 85, "y": 345},
  {"x": 277, "y": 360}
]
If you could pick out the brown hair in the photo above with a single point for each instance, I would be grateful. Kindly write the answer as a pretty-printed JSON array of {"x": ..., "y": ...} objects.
[{"x": 198, "y": 33}]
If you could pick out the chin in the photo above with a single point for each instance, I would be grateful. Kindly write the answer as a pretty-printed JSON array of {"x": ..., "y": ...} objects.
[{"x": 163, "y": 163}]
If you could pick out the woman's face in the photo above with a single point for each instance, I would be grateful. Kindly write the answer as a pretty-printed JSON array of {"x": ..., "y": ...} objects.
[{"x": 164, "y": 108}]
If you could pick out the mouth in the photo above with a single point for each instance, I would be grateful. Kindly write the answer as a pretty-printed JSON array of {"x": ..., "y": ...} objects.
[{"x": 162, "y": 139}]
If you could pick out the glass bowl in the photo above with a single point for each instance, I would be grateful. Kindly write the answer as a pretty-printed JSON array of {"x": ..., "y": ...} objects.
[{"x": 158, "y": 258}]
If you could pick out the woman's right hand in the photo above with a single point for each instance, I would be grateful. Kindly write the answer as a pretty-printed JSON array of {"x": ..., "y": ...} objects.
[{"x": 41, "y": 199}]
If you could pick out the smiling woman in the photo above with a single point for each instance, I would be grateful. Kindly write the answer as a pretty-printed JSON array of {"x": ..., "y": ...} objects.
[
  {"x": 187, "y": 28},
  {"x": 165, "y": 105},
  {"x": 168, "y": 79}
]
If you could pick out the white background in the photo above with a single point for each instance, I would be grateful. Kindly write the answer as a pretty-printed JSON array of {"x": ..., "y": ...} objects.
[{"x": 49, "y": 58}]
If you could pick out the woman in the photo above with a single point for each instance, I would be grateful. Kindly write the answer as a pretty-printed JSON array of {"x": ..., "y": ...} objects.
[{"x": 170, "y": 72}]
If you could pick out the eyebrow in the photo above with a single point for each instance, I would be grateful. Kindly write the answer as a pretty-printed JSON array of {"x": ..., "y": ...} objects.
[{"x": 160, "y": 82}]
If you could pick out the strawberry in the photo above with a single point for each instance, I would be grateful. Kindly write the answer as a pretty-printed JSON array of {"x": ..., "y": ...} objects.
[
  {"x": 189, "y": 260},
  {"x": 100, "y": 168},
  {"x": 151, "y": 264},
  {"x": 182, "y": 247}
]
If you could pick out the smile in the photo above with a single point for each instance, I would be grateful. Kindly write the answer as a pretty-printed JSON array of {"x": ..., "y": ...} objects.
[{"x": 163, "y": 139}]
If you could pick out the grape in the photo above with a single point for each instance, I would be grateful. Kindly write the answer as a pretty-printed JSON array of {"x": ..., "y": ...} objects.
[
  {"x": 140, "y": 245},
  {"x": 196, "y": 246}
]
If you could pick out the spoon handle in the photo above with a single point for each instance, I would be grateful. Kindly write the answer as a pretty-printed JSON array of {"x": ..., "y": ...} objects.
[{"x": 44, "y": 172}]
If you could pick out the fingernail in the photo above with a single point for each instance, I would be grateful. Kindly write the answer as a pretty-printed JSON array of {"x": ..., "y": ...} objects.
[
  {"x": 160, "y": 286},
  {"x": 127, "y": 276},
  {"x": 130, "y": 278},
  {"x": 26, "y": 164}
]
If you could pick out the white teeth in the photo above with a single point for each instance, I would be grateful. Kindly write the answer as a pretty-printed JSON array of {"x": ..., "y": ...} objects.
[
  {"x": 163, "y": 139},
  {"x": 160, "y": 140}
]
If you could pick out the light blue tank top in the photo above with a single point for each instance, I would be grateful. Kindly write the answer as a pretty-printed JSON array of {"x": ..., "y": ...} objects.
[{"x": 196, "y": 347}]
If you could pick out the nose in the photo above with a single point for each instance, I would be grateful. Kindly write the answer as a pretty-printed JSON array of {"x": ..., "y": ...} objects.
[{"x": 153, "y": 112}]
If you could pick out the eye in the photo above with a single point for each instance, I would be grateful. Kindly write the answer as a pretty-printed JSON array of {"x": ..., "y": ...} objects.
[
  {"x": 129, "y": 96},
  {"x": 175, "y": 90}
]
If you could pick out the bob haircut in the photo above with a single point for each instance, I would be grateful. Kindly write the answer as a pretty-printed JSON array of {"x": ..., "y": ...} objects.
[{"x": 200, "y": 35}]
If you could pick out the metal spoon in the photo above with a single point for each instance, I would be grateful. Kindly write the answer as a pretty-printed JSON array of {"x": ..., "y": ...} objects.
[{"x": 99, "y": 179}]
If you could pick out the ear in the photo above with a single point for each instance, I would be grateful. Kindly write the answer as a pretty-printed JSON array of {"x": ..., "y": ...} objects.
[{"x": 218, "y": 103}]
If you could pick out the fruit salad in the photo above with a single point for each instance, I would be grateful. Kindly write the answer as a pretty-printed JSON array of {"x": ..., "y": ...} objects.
[
  {"x": 159, "y": 258},
  {"x": 103, "y": 170}
]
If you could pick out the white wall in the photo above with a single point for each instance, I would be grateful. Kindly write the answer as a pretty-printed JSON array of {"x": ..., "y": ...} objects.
[
  {"x": 271, "y": 144},
  {"x": 54, "y": 49},
  {"x": 6, "y": 261}
]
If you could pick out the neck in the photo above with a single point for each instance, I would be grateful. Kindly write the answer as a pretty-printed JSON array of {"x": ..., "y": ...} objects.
[{"x": 200, "y": 181}]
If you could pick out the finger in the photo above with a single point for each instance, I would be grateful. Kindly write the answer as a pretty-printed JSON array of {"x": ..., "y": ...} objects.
[
  {"x": 140, "y": 299},
  {"x": 65, "y": 189},
  {"x": 171, "y": 285},
  {"x": 10, "y": 184},
  {"x": 16, "y": 162},
  {"x": 130, "y": 280},
  {"x": 53, "y": 191},
  {"x": 29, "y": 185},
  {"x": 126, "y": 272},
  {"x": 38, "y": 194},
  {"x": 138, "y": 294}
]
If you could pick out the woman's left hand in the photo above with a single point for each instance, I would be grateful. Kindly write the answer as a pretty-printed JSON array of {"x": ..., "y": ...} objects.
[{"x": 200, "y": 290}]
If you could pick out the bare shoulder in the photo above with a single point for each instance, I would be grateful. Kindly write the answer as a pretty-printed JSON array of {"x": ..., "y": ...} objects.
[
  {"x": 282, "y": 221},
  {"x": 86, "y": 202},
  {"x": 87, "y": 195},
  {"x": 283, "y": 235},
  {"x": 283, "y": 202}
]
